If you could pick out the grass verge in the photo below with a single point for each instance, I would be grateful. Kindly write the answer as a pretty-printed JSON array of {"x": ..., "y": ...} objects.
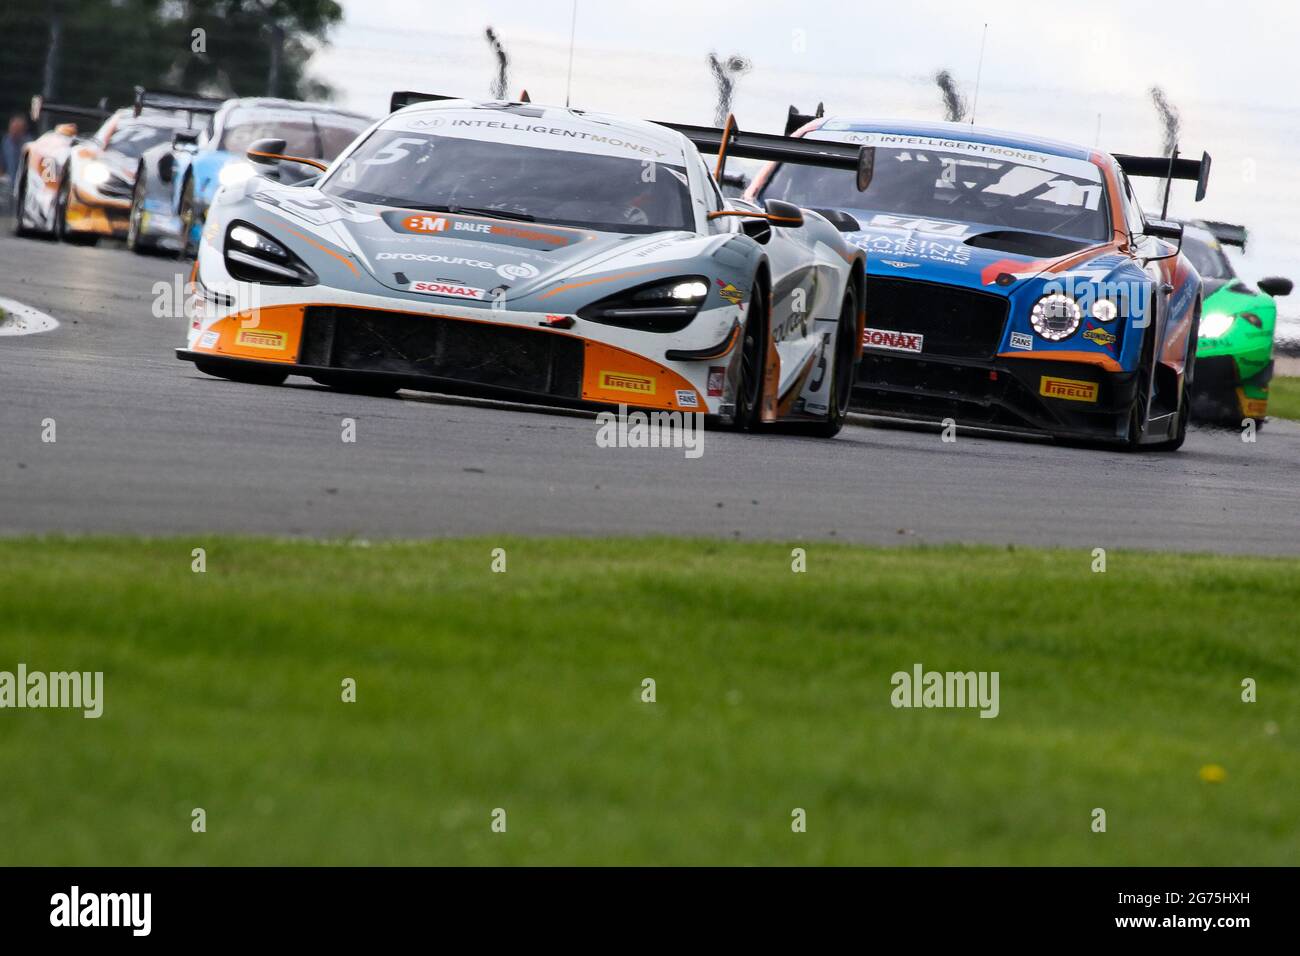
[
  {"x": 1284, "y": 397},
  {"x": 522, "y": 691}
]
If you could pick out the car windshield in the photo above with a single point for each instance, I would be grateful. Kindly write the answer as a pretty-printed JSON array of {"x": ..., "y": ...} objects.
[
  {"x": 314, "y": 135},
  {"x": 611, "y": 193},
  {"x": 953, "y": 180},
  {"x": 1210, "y": 262},
  {"x": 132, "y": 139}
]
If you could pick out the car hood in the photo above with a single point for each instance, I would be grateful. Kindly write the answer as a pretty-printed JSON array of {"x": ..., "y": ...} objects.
[
  {"x": 121, "y": 166},
  {"x": 960, "y": 254},
  {"x": 479, "y": 257}
]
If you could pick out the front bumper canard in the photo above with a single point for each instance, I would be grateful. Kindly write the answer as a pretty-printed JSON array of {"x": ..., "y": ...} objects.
[{"x": 1058, "y": 398}]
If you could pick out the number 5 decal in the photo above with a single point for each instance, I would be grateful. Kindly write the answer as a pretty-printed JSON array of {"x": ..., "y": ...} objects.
[{"x": 392, "y": 152}]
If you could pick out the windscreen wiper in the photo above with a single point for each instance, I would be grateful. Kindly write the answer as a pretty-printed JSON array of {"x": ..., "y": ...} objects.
[{"x": 477, "y": 211}]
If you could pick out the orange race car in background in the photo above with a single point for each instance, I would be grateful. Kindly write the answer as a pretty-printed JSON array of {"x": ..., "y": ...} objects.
[{"x": 78, "y": 187}]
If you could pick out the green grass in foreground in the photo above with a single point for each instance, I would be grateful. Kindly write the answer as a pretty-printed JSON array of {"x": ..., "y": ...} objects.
[
  {"x": 1284, "y": 397},
  {"x": 522, "y": 691}
]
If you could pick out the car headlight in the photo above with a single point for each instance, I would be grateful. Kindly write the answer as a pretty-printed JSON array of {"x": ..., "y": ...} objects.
[
  {"x": 666, "y": 305},
  {"x": 1056, "y": 316},
  {"x": 232, "y": 174},
  {"x": 1104, "y": 310},
  {"x": 1215, "y": 324},
  {"x": 253, "y": 256},
  {"x": 96, "y": 173}
]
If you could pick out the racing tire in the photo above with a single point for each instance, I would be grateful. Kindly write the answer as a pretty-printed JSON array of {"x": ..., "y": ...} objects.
[
  {"x": 21, "y": 229},
  {"x": 1140, "y": 411},
  {"x": 753, "y": 357},
  {"x": 248, "y": 374},
  {"x": 61, "y": 232},
  {"x": 189, "y": 248},
  {"x": 375, "y": 389},
  {"x": 134, "y": 240},
  {"x": 1185, "y": 392},
  {"x": 1217, "y": 408},
  {"x": 842, "y": 369}
]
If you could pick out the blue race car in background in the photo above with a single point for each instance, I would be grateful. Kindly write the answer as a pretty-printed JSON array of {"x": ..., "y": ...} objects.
[
  {"x": 175, "y": 182},
  {"x": 1012, "y": 282}
]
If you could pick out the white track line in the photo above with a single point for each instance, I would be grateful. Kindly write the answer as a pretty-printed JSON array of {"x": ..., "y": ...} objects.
[{"x": 19, "y": 319}]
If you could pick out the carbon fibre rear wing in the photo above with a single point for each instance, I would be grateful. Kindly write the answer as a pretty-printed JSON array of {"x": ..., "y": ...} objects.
[
  {"x": 40, "y": 109},
  {"x": 1169, "y": 168},
  {"x": 730, "y": 140},
  {"x": 173, "y": 101},
  {"x": 403, "y": 98},
  {"x": 1227, "y": 233},
  {"x": 795, "y": 120}
]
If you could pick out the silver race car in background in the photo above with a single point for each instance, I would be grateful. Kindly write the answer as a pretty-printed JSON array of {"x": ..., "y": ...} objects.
[
  {"x": 175, "y": 181},
  {"x": 542, "y": 254}
]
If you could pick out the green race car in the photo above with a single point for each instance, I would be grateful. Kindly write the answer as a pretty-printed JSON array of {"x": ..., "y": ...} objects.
[{"x": 1234, "y": 352}]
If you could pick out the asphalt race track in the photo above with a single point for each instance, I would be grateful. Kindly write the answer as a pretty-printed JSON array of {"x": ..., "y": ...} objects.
[{"x": 146, "y": 444}]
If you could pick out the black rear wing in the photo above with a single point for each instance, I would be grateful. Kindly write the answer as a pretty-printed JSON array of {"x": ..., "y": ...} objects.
[
  {"x": 795, "y": 120},
  {"x": 41, "y": 109},
  {"x": 1227, "y": 233},
  {"x": 1169, "y": 167},
  {"x": 403, "y": 98},
  {"x": 173, "y": 101},
  {"x": 730, "y": 140}
]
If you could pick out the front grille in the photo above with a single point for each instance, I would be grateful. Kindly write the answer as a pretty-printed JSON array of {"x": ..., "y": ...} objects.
[
  {"x": 1218, "y": 373},
  {"x": 937, "y": 390},
  {"x": 955, "y": 323},
  {"x": 477, "y": 353}
]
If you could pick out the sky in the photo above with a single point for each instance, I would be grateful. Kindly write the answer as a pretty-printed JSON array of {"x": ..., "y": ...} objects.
[{"x": 1076, "y": 71}]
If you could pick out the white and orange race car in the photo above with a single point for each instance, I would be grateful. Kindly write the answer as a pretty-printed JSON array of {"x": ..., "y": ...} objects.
[
  {"x": 77, "y": 187},
  {"x": 537, "y": 253}
]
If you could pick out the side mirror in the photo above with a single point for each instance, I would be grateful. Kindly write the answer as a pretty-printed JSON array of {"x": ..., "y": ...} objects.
[
  {"x": 1164, "y": 229},
  {"x": 185, "y": 139},
  {"x": 866, "y": 167},
  {"x": 1276, "y": 286},
  {"x": 783, "y": 215},
  {"x": 267, "y": 152},
  {"x": 840, "y": 219}
]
